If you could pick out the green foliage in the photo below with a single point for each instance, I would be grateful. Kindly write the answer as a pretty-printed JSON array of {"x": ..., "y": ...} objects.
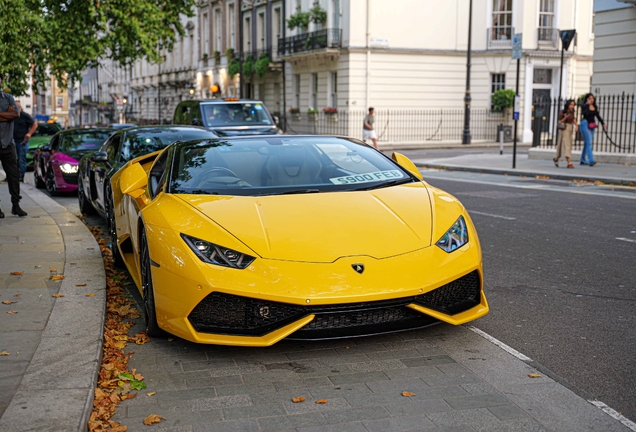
[
  {"x": 248, "y": 67},
  {"x": 63, "y": 38},
  {"x": 261, "y": 65},
  {"x": 502, "y": 99},
  {"x": 300, "y": 19},
  {"x": 229, "y": 53},
  {"x": 312, "y": 111},
  {"x": 233, "y": 67},
  {"x": 217, "y": 55},
  {"x": 318, "y": 15}
]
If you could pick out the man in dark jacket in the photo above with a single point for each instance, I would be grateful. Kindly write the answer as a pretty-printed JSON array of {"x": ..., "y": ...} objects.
[
  {"x": 23, "y": 129},
  {"x": 8, "y": 113}
]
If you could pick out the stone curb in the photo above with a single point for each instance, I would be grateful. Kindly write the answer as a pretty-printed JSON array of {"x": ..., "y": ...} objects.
[
  {"x": 521, "y": 173},
  {"x": 57, "y": 390}
]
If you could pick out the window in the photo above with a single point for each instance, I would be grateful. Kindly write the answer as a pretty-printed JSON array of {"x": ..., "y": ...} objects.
[
  {"x": 260, "y": 31},
  {"x": 334, "y": 89},
  {"x": 501, "y": 20},
  {"x": 278, "y": 28},
  {"x": 542, "y": 76},
  {"x": 297, "y": 91},
  {"x": 60, "y": 102},
  {"x": 546, "y": 20},
  {"x": 314, "y": 91},
  {"x": 497, "y": 82},
  {"x": 206, "y": 35},
  {"x": 247, "y": 37},
  {"x": 335, "y": 20},
  {"x": 158, "y": 174},
  {"x": 231, "y": 16},
  {"x": 217, "y": 23}
]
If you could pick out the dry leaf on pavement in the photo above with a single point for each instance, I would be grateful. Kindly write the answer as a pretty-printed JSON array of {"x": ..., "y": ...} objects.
[
  {"x": 151, "y": 393},
  {"x": 90, "y": 295},
  {"x": 58, "y": 295},
  {"x": 90, "y": 248},
  {"x": 17, "y": 295},
  {"x": 408, "y": 394},
  {"x": 72, "y": 263},
  {"x": 12, "y": 312},
  {"x": 321, "y": 401},
  {"x": 534, "y": 375},
  {"x": 80, "y": 284},
  {"x": 298, "y": 399},
  {"x": 35, "y": 217},
  {"x": 16, "y": 273},
  {"x": 57, "y": 277},
  {"x": 153, "y": 418},
  {"x": 8, "y": 302},
  {"x": 52, "y": 269},
  {"x": 3, "y": 354}
]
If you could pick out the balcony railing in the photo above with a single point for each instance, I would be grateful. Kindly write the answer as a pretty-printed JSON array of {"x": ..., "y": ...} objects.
[
  {"x": 306, "y": 42},
  {"x": 548, "y": 37},
  {"x": 500, "y": 37}
]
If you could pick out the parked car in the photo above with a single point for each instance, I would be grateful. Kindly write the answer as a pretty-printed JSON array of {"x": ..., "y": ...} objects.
[
  {"x": 246, "y": 241},
  {"x": 96, "y": 168},
  {"x": 227, "y": 117},
  {"x": 56, "y": 163},
  {"x": 122, "y": 125},
  {"x": 42, "y": 135}
]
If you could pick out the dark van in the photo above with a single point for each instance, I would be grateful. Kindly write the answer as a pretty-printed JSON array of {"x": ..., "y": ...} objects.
[{"x": 227, "y": 117}]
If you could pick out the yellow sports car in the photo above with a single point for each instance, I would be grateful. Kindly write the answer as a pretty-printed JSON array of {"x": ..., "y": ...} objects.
[{"x": 246, "y": 241}]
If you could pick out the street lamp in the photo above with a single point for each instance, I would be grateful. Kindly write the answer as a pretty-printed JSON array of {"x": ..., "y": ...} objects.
[
  {"x": 191, "y": 90},
  {"x": 566, "y": 39},
  {"x": 467, "y": 98}
]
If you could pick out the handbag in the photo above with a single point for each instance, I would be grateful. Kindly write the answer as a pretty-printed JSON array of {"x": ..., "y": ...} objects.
[
  {"x": 561, "y": 126},
  {"x": 592, "y": 125}
]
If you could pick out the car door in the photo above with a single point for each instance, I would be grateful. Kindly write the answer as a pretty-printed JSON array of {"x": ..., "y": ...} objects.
[
  {"x": 100, "y": 170},
  {"x": 44, "y": 156}
]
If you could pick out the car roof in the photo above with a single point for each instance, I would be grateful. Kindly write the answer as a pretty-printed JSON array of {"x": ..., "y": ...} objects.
[
  {"x": 221, "y": 100},
  {"x": 159, "y": 128},
  {"x": 82, "y": 130}
]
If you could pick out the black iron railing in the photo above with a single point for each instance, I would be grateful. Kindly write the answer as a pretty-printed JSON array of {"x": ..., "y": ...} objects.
[
  {"x": 401, "y": 126},
  {"x": 320, "y": 39},
  {"x": 548, "y": 36},
  {"x": 616, "y": 110},
  {"x": 500, "y": 36}
]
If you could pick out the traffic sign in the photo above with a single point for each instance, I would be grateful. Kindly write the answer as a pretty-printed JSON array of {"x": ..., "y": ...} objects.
[
  {"x": 517, "y": 108},
  {"x": 516, "y": 45}
]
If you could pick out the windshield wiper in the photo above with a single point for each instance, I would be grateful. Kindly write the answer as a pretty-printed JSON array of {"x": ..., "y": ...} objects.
[
  {"x": 295, "y": 191},
  {"x": 387, "y": 184},
  {"x": 202, "y": 192}
]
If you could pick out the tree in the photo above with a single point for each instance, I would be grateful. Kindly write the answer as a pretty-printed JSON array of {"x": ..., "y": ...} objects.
[
  {"x": 502, "y": 99},
  {"x": 64, "y": 37}
]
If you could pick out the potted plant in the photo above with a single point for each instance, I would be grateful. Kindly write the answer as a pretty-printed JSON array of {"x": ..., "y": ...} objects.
[
  {"x": 217, "y": 57},
  {"x": 233, "y": 67},
  {"x": 261, "y": 65},
  {"x": 299, "y": 20},
  {"x": 331, "y": 113},
  {"x": 317, "y": 14},
  {"x": 312, "y": 114},
  {"x": 295, "y": 113},
  {"x": 248, "y": 67},
  {"x": 503, "y": 99}
]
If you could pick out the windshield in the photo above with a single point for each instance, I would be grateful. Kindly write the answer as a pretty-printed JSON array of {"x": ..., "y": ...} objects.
[
  {"x": 142, "y": 142},
  {"x": 47, "y": 129},
  {"x": 235, "y": 114},
  {"x": 274, "y": 166},
  {"x": 83, "y": 141}
]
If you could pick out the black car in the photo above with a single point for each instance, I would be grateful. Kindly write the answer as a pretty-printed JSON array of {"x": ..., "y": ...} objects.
[
  {"x": 227, "y": 117},
  {"x": 96, "y": 169}
]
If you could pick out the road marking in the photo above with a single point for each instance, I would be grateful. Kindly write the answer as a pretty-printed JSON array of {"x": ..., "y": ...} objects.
[
  {"x": 626, "y": 239},
  {"x": 491, "y": 215},
  {"x": 614, "y": 414},
  {"x": 500, "y": 344}
]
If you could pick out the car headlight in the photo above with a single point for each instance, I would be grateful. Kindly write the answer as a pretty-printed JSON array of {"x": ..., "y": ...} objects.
[
  {"x": 455, "y": 237},
  {"x": 68, "y": 168},
  {"x": 218, "y": 255}
]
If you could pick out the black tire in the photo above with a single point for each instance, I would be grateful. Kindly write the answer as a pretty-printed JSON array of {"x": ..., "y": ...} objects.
[
  {"x": 84, "y": 205},
  {"x": 111, "y": 223},
  {"x": 150, "y": 311},
  {"x": 39, "y": 182},
  {"x": 51, "y": 187}
]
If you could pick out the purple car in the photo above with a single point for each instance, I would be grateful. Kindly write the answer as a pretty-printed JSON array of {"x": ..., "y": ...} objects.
[{"x": 56, "y": 163}]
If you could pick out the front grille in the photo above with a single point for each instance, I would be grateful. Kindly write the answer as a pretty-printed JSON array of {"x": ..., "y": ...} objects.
[
  {"x": 70, "y": 178},
  {"x": 229, "y": 314}
]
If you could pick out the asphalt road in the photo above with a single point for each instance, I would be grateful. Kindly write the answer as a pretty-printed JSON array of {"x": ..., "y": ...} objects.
[{"x": 559, "y": 269}]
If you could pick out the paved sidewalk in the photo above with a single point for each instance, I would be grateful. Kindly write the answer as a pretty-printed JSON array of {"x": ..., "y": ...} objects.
[
  {"x": 47, "y": 380},
  {"x": 502, "y": 164}
]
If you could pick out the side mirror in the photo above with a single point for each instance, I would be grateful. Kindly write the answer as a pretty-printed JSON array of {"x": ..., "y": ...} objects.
[
  {"x": 100, "y": 156},
  {"x": 133, "y": 180},
  {"x": 276, "y": 120},
  {"x": 406, "y": 163},
  {"x": 45, "y": 148}
]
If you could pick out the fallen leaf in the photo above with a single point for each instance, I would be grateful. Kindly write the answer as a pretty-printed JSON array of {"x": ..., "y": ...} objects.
[
  {"x": 71, "y": 221},
  {"x": 52, "y": 269},
  {"x": 90, "y": 295},
  {"x": 17, "y": 295},
  {"x": 534, "y": 375},
  {"x": 151, "y": 393},
  {"x": 79, "y": 239},
  {"x": 16, "y": 273},
  {"x": 35, "y": 217},
  {"x": 170, "y": 339},
  {"x": 298, "y": 399},
  {"x": 12, "y": 312},
  {"x": 321, "y": 401},
  {"x": 131, "y": 352},
  {"x": 408, "y": 394},
  {"x": 58, "y": 295},
  {"x": 72, "y": 263},
  {"x": 90, "y": 248},
  {"x": 4, "y": 353},
  {"x": 8, "y": 302},
  {"x": 57, "y": 277},
  {"x": 153, "y": 418},
  {"x": 38, "y": 266},
  {"x": 80, "y": 284}
]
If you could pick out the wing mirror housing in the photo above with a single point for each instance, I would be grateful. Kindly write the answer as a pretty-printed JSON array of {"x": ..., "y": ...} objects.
[
  {"x": 406, "y": 163},
  {"x": 100, "y": 156},
  {"x": 133, "y": 180},
  {"x": 45, "y": 148},
  {"x": 276, "y": 120}
]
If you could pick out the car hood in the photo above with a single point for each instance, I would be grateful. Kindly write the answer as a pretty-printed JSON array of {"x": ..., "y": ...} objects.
[
  {"x": 322, "y": 227},
  {"x": 245, "y": 130}
]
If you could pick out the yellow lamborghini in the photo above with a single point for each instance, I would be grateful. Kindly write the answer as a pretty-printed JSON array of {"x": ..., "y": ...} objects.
[{"x": 246, "y": 241}]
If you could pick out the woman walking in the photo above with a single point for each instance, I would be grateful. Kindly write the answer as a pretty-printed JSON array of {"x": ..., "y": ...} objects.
[
  {"x": 589, "y": 114},
  {"x": 567, "y": 126}
]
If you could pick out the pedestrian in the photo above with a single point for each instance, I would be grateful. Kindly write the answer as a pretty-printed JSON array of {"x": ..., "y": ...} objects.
[
  {"x": 8, "y": 113},
  {"x": 567, "y": 126},
  {"x": 368, "y": 133},
  {"x": 589, "y": 114},
  {"x": 23, "y": 129}
]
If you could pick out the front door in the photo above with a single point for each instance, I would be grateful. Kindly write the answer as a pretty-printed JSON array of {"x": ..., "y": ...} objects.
[{"x": 541, "y": 103}]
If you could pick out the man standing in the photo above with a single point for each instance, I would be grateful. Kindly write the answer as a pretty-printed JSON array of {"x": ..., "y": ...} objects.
[
  {"x": 367, "y": 129},
  {"x": 23, "y": 129},
  {"x": 9, "y": 112}
]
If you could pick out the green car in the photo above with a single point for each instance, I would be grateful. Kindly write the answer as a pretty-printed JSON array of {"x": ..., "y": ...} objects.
[{"x": 42, "y": 135}]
